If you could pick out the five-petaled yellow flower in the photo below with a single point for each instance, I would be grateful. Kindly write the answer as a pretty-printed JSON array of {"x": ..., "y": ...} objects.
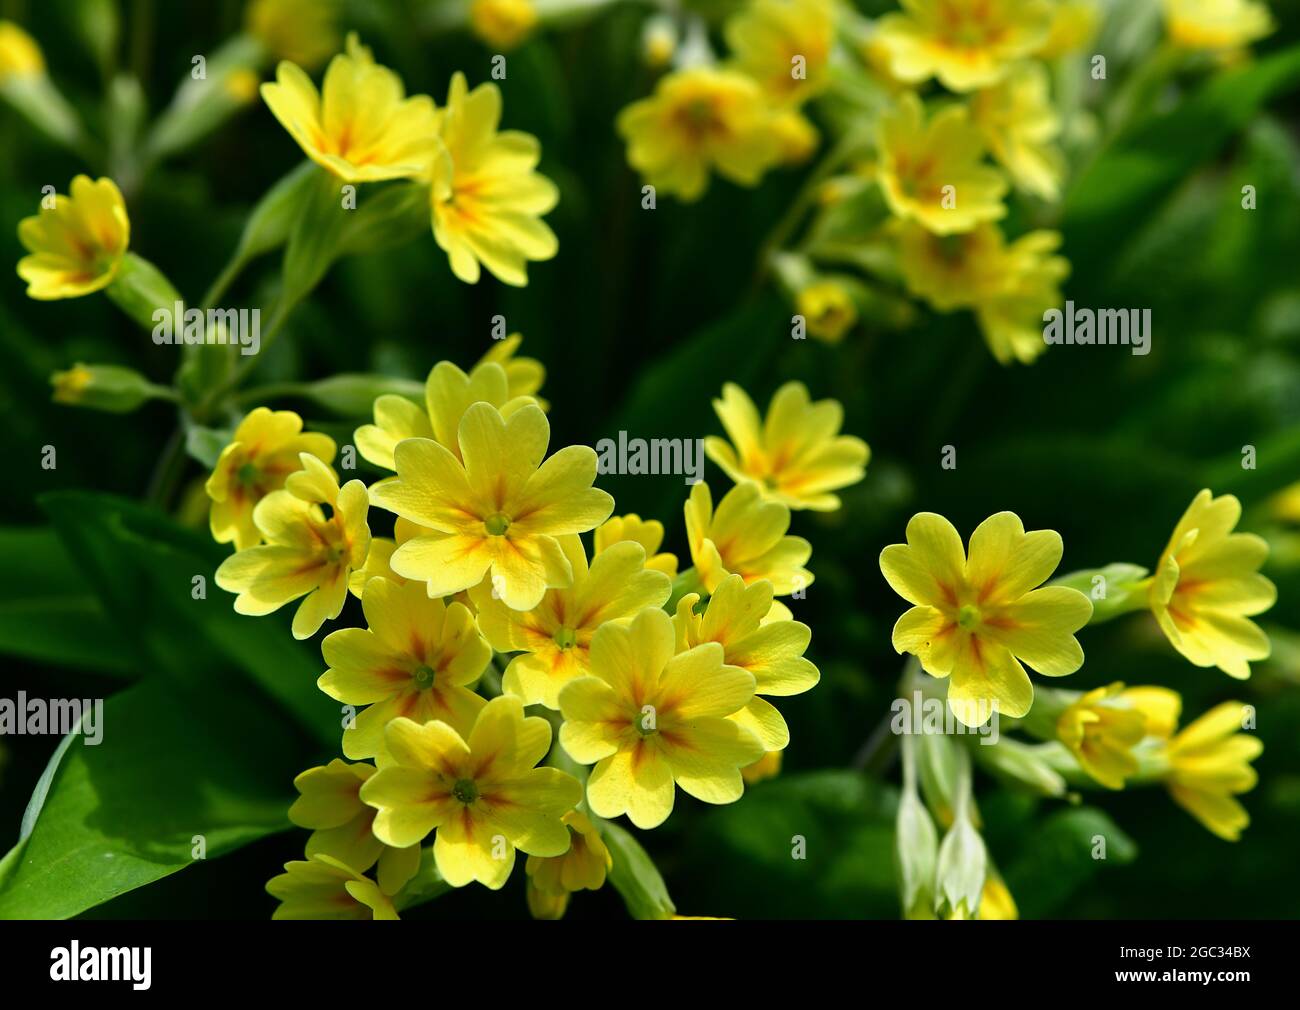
[
  {"x": 554, "y": 638},
  {"x": 796, "y": 455},
  {"x": 746, "y": 535},
  {"x": 1216, "y": 24},
  {"x": 524, "y": 376},
  {"x": 308, "y": 552},
  {"x": 76, "y": 246},
  {"x": 551, "y": 879},
  {"x": 261, "y": 455},
  {"x": 1102, "y": 727},
  {"x": 976, "y": 618},
  {"x": 481, "y": 793},
  {"x": 360, "y": 125},
  {"x": 1020, "y": 124},
  {"x": 649, "y": 718},
  {"x": 1207, "y": 586},
  {"x": 502, "y": 23},
  {"x": 785, "y": 45},
  {"x": 324, "y": 888},
  {"x": 1011, "y": 319},
  {"x": 416, "y": 659},
  {"x": 499, "y": 511},
  {"x": 649, "y": 533},
  {"x": 1209, "y": 764}
]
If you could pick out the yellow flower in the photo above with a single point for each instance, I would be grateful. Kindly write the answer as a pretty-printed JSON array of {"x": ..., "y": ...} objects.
[
  {"x": 1102, "y": 728},
  {"x": 1019, "y": 125},
  {"x": 699, "y": 120},
  {"x": 966, "y": 44},
  {"x": 1012, "y": 319},
  {"x": 1209, "y": 763},
  {"x": 1285, "y": 505},
  {"x": 828, "y": 309},
  {"x": 487, "y": 207},
  {"x": 796, "y": 136},
  {"x": 480, "y": 793},
  {"x": 360, "y": 125},
  {"x": 1074, "y": 25},
  {"x": 1207, "y": 586},
  {"x": 796, "y": 455},
  {"x": 785, "y": 45},
  {"x": 976, "y": 618},
  {"x": 524, "y": 376},
  {"x": 329, "y": 803},
  {"x": 503, "y": 23},
  {"x": 952, "y": 271},
  {"x": 324, "y": 888},
  {"x": 766, "y": 767},
  {"x": 77, "y": 245},
  {"x": 551, "y": 879},
  {"x": 20, "y": 56},
  {"x": 648, "y": 718},
  {"x": 242, "y": 85},
  {"x": 498, "y": 511},
  {"x": 416, "y": 659},
  {"x": 932, "y": 172},
  {"x": 746, "y": 535},
  {"x": 302, "y": 31},
  {"x": 996, "y": 901},
  {"x": 771, "y": 651},
  {"x": 649, "y": 533},
  {"x": 1216, "y": 24},
  {"x": 307, "y": 552},
  {"x": 554, "y": 638},
  {"x": 261, "y": 455},
  {"x": 380, "y": 554}
]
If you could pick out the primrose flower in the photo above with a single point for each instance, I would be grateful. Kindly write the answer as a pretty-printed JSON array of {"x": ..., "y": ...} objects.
[
  {"x": 380, "y": 554},
  {"x": 700, "y": 119},
  {"x": 766, "y": 767},
  {"x": 307, "y": 552},
  {"x": 976, "y": 618},
  {"x": 828, "y": 309},
  {"x": 932, "y": 172},
  {"x": 649, "y": 533},
  {"x": 554, "y": 638},
  {"x": 416, "y": 659},
  {"x": 1074, "y": 25},
  {"x": 952, "y": 271},
  {"x": 20, "y": 56},
  {"x": 1102, "y": 728},
  {"x": 551, "y": 879},
  {"x": 796, "y": 455},
  {"x": 303, "y": 31},
  {"x": 360, "y": 126},
  {"x": 738, "y": 618},
  {"x": 524, "y": 376},
  {"x": 487, "y": 203},
  {"x": 746, "y": 535},
  {"x": 76, "y": 247},
  {"x": 995, "y": 900},
  {"x": 650, "y": 718},
  {"x": 1019, "y": 125},
  {"x": 480, "y": 793},
  {"x": 503, "y": 23},
  {"x": 498, "y": 511},
  {"x": 1216, "y": 24},
  {"x": 1207, "y": 586},
  {"x": 966, "y": 44},
  {"x": 1012, "y": 318},
  {"x": 1209, "y": 764},
  {"x": 785, "y": 45},
  {"x": 324, "y": 888},
  {"x": 329, "y": 803},
  {"x": 262, "y": 453}
]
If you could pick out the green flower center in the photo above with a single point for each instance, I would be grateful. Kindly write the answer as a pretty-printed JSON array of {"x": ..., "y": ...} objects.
[
  {"x": 968, "y": 617},
  {"x": 423, "y": 676},
  {"x": 248, "y": 474},
  {"x": 646, "y": 724},
  {"x": 566, "y": 638},
  {"x": 465, "y": 791},
  {"x": 496, "y": 524}
]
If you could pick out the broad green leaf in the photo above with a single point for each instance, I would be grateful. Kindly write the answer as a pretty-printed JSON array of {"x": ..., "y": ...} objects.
[{"x": 1064, "y": 854}]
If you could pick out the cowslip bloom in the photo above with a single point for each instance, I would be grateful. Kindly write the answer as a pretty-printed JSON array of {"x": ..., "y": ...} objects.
[
  {"x": 1207, "y": 586},
  {"x": 503, "y": 23},
  {"x": 307, "y": 551},
  {"x": 796, "y": 136},
  {"x": 1216, "y": 24},
  {"x": 324, "y": 888},
  {"x": 20, "y": 56},
  {"x": 649, "y": 533},
  {"x": 499, "y": 511},
  {"x": 75, "y": 246},
  {"x": 554, "y": 638},
  {"x": 966, "y": 44},
  {"x": 649, "y": 717},
  {"x": 931, "y": 172},
  {"x": 952, "y": 271},
  {"x": 796, "y": 455},
  {"x": 380, "y": 554},
  {"x": 746, "y": 535},
  {"x": 261, "y": 455},
  {"x": 524, "y": 375},
  {"x": 487, "y": 202},
  {"x": 698, "y": 120},
  {"x": 738, "y": 617},
  {"x": 785, "y": 45},
  {"x": 360, "y": 125},
  {"x": 480, "y": 794},
  {"x": 1020, "y": 124},
  {"x": 1011, "y": 319},
  {"x": 1209, "y": 764},
  {"x": 1074, "y": 25},
  {"x": 975, "y": 618},
  {"x": 551, "y": 879},
  {"x": 329, "y": 803},
  {"x": 1102, "y": 727},
  {"x": 416, "y": 659},
  {"x": 828, "y": 309}
]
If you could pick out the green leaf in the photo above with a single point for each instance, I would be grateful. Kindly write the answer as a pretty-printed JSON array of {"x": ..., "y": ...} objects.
[{"x": 1061, "y": 857}]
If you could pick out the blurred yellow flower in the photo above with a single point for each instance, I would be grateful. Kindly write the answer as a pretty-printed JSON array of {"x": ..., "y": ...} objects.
[
  {"x": 649, "y": 533},
  {"x": 933, "y": 173},
  {"x": 1012, "y": 319},
  {"x": 488, "y": 200},
  {"x": 966, "y": 44},
  {"x": 1102, "y": 728},
  {"x": 307, "y": 552},
  {"x": 1209, "y": 764},
  {"x": 360, "y": 126},
  {"x": 699, "y": 120},
  {"x": 262, "y": 453},
  {"x": 747, "y": 536},
  {"x": 952, "y": 271},
  {"x": 996, "y": 902},
  {"x": 1074, "y": 25},
  {"x": 828, "y": 309},
  {"x": 503, "y": 23},
  {"x": 649, "y": 717},
  {"x": 796, "y": 137},
  {"x": 785, "y": 45},
  {"x": 976, "y": 618},
  {"x": 324, "y": 888},
  {"x": 551, "y": 879},
  {"x": 481, "y": 794},
  {"x": 496, "y": 509},
  {"x": 766, "y": 767},
  {"x": 1019, "y": 124},
  {"x": 1207, "y": 586},
  {"x": 796, "y": 455},
  {"x": 1216, "y": 24},
  {"x": 302, "y": 31},
  {"x": 20, "y": 56},
  {"x": 76, "y": 246},
  {"x": 554, "y": 638}
]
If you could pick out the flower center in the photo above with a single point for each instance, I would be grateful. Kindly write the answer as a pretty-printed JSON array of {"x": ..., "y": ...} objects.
[
  {"x": 423, "y": 676},
  {"x": 968, "y": 617},
  {"x": 566, "y": 638},
  {"x": 248, "y": 474},
  {"x": 645, "y": 723},
  {"x": 496, "y": 524},
  {"x": 465, "y": 791}
]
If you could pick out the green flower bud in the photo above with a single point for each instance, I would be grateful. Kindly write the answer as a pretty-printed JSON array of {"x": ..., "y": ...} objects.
[
  {"x": 105, "y": 387},
  {"x": 140, "y": 290},
  {"x": 354, "y": 394},
  {"x": 1114, "y": 590}
]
